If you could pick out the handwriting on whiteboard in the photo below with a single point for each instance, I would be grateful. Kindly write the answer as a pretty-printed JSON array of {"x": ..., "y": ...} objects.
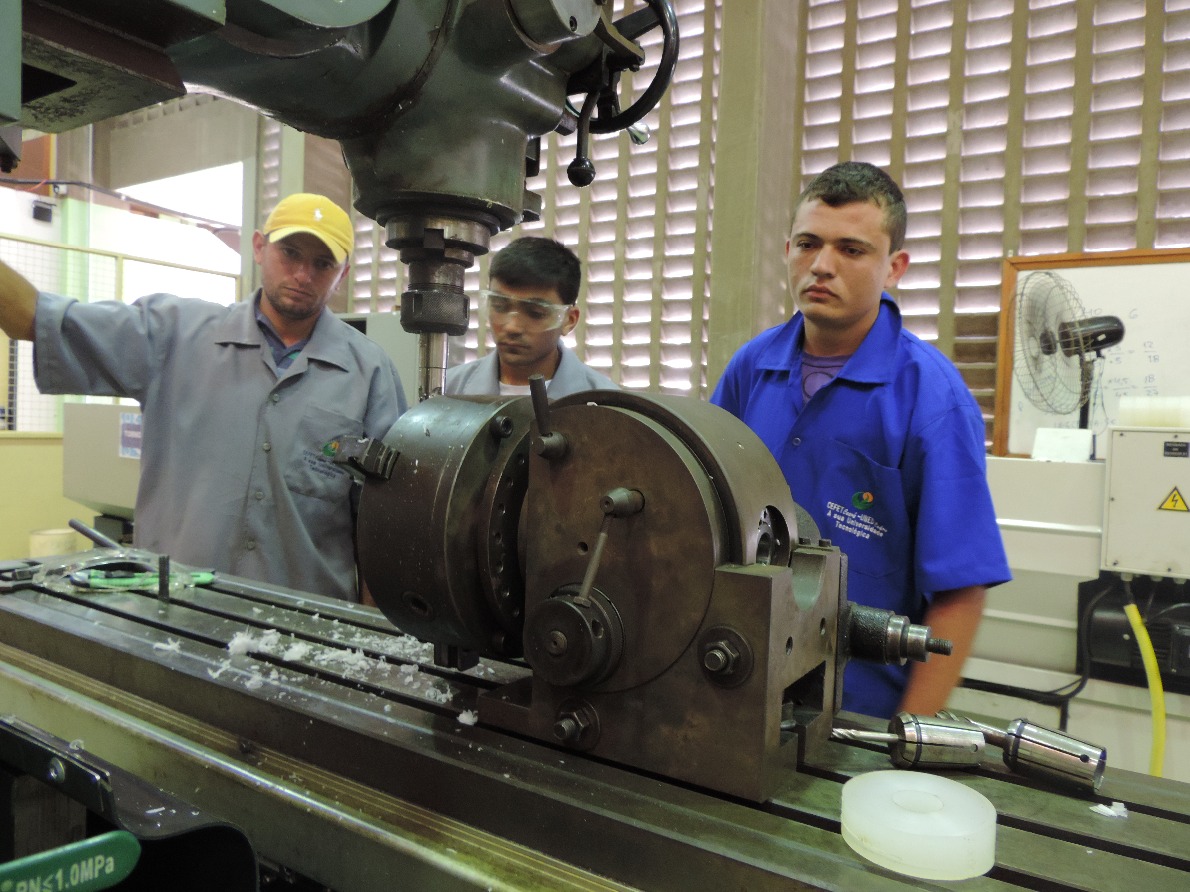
[{"x": 1153, "y": 359}]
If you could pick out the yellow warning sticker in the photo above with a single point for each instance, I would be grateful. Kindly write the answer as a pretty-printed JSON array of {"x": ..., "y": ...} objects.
[{"x": 1173, "y": 502}]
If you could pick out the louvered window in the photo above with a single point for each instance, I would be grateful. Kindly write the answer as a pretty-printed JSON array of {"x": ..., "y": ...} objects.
[
  {"x": 1015, "y": 127},
  {"x": 268, "y": 185}
]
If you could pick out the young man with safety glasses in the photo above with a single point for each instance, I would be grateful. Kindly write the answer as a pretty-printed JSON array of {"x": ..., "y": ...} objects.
[{"x": 530, "y": 306}]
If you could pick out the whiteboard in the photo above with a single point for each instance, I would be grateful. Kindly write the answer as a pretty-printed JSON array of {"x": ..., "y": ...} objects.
[{"x": 1150, "y": 293}]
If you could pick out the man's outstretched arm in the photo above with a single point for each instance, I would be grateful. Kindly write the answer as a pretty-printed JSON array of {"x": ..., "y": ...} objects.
[
  {"x": 953, "y": 614},
  {"x": 18, "y": 302}
]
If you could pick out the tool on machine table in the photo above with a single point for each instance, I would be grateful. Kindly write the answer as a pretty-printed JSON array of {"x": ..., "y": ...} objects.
[
  {"x": 93, "y": 534},
  {"x": 949, "y": 740},
  {"x": 918, "y": 741},
  {"x": 139, "y": 579},
  {"x": 116, "y": 568},
  {"x": 130, "y": 568},
  {"x": 1044, "y": 753}
]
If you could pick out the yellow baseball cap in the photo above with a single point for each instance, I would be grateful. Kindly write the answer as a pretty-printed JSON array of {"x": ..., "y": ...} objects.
[{"x": 315, "y": 214}]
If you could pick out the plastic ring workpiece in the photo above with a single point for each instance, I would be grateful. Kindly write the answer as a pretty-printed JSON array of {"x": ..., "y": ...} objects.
[{"x": 921, "y": 825}]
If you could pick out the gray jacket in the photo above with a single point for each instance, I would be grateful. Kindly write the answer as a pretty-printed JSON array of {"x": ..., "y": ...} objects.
[
  {"x": 482, "y": 377},
  {"x": 235, "y": 472}
]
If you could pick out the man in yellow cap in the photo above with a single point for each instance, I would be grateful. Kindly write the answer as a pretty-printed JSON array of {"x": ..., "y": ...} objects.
[{"x": 242, "y": 405}]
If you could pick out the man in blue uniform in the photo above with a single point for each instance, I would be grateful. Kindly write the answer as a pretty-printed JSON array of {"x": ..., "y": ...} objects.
[
  {"x": 531, "y": 305},
  {"x": 242, "y": 405},
  {"x": 876, "y": 432}
]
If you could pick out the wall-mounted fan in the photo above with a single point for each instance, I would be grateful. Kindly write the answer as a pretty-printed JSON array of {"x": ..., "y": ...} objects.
[{"x": 1057, "y": 345}]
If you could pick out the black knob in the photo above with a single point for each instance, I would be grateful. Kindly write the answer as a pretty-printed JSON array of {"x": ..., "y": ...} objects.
[{"x": 581, "y": 171}]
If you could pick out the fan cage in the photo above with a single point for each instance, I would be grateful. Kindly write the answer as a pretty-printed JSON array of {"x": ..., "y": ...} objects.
[{"x": 1050, "y": 378}]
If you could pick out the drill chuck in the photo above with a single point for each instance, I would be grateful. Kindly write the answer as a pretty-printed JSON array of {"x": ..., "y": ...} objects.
[{"x": 887, "y": 637}]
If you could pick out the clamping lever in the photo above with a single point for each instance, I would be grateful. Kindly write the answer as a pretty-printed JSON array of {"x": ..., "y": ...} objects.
[{"x": 548, "y": 444}]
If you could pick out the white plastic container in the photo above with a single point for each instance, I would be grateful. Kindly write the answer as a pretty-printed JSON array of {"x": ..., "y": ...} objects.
[{"x": 45, "y": 543}]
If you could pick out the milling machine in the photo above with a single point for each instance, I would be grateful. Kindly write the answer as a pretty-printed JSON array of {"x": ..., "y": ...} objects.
[
  {"x": 683, "y": 632},
  {"x": 438, "y": 105},
  {"x": 632, "y": 641}
]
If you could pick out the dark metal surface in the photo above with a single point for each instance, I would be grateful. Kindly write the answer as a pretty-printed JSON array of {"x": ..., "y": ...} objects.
[
  {"x": 181, "y": 848},
  {"x": 392, "y": 725},
  {"x": 74, "y": 72},
  {"x": 451, "y": 574},
  {"x": 640, "y": 547},
  {"x": 658, "y": 566},
  {"x": 726, "y": 452}
]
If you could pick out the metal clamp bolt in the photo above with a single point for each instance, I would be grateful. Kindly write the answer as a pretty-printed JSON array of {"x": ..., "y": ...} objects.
[
  {"x": 570, "y": 726},
  {"x": 719, "y": 657}
]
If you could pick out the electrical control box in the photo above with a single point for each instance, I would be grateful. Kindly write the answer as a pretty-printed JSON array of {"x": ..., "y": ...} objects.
[{"x": 1146, "y": 518}]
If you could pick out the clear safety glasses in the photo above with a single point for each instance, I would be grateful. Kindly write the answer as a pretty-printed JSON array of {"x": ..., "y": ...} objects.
[{"x": 535, "y": 314}]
